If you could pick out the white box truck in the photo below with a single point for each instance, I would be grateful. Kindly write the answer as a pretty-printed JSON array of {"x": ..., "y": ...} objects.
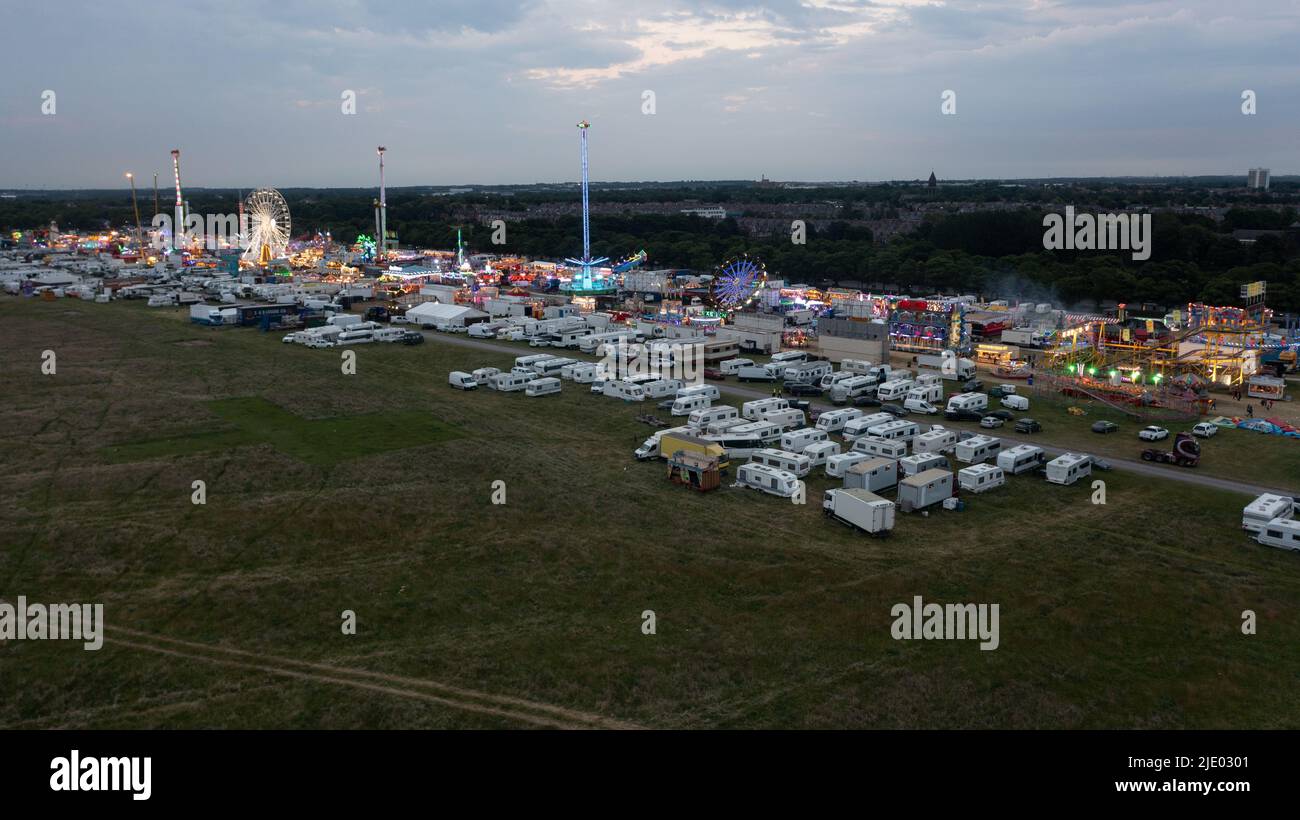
[{"x": 860, "y": 509}]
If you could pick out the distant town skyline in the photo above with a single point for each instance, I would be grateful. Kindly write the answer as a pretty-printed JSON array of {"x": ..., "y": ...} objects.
[{"x": 487, "y": 92}]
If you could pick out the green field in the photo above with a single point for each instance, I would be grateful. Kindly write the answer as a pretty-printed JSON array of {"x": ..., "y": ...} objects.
[{"x": 373, "y": 493}]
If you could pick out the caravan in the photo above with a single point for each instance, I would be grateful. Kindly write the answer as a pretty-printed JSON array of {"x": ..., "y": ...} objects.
[
  {"x": 796, "y": 463},
  {"x": 836, "y": 465},
  {"x": 935, "y": 441},
  {"x": 552, "y": 367},
  {"x": 662, "y": 388},
  {"x": 920, "y": 462},
  {"x": 686, "y": 405},
  {"x": 806, "y": 372},
  {"x": 831, "y": 379},
  {"x": 850, "y": 389},
  {"x": 767, "y": 479},
  {"x": 972, "y": 402},
  {"x": 542, "y": 387},
  {"x": 1283, "y": 533},
  {"x": 757, "y": 409},
  {"x": 897, "y": 429},
  {"x": 1264, "y": 509},
  {"x": 704, "y": 417},
  {"x": 483, "y": 375},
  {"x": 980, "y": 478},
  {"x": 833, "y": 421},
  {"x": 745, "y": 439},
  {"x": 894, "y": 389},
  {"x": 732, "y": 366},
  {"x": 1021, "y": 458},
  {"x": 1069, "y": 468},
  {"x": 856, "y": 367},
  {"x": 820, "y": 453},
  {"x": 788, "y": 419},
  {"x": 977, "y": 449},
  {"x": 796, "y": 440},
  {"x": 789, "y": 357},
  {"x": 709, "y": 391},
  {"x": 509, "y": 382},
  {"x": 880, "y": 447},
  {"x": 858, "y": 427},
  {"x": 624, "y": 390}
]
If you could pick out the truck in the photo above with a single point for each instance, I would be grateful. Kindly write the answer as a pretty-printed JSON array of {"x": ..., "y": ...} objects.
[
  {"x": 1186, "y": 452},
  {"x": 682, "y": 439},
  {"x": 860, "y": 509},
  {"x": 949, "y": 367}
]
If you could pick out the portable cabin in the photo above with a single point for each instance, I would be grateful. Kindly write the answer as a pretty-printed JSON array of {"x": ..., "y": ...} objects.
[
  {"x": 980, "y": 478},
  {"x": 1069, "y": 468},
  {"x": 796, "y": 463},
  {"x": 935, "y": 441},
  {"x": 919, "y": 463},
  {"x": 977, "y": 449},
  {"x": 542, "y": 387},
  {"x": 873, "y": 474},
  {"x": 767, "y": 479},
  {"x": 924, "y": 489},
  {"x": 861, "y": 509},
  {"x": 1021, "y": 458}
]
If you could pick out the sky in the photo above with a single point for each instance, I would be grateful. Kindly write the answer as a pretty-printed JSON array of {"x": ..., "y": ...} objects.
[{"x": 490, "y": 91}]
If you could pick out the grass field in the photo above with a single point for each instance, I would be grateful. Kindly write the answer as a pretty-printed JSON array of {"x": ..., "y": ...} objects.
[{"x": 373, "y": 493}]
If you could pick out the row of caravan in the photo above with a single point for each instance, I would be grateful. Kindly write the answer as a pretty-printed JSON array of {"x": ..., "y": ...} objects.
[{"x": 1272, "y": 520}]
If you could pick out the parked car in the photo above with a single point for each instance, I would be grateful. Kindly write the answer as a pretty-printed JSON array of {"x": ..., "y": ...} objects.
[
  {"x": 399, "y": 320},
  {"x": 1005, "y": 415},
  {"x": 413, "y": 339},
  {"x": 991, "y": 422},
  {"x": 1205, "y": 429},
  {"x": 893, "y": 409},
  {"x": 803, "y": 389},
  {"x": 866, "y": 401},
  {"x": 1153, "y": 433},
  {"x": 961, "y": 415},
  {"x": 972, "y": 386},
  {"x": 1100, "y": 464},
  {"x": 1104, "y": 427},
  {"x": 715, "y": 375},
  {"x": 1028, "y": 426}
]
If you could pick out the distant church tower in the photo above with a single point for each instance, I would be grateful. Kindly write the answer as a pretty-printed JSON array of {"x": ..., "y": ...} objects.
[{"x": 933, "y": 183}]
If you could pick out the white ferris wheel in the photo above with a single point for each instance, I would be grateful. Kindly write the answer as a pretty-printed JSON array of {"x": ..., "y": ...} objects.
[{"x": 268, "y": 226}]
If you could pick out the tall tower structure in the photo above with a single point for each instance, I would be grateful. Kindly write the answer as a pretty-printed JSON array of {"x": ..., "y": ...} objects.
[
  {"x": 382, "y": 227},
  {"x": 178, "y": 220},
  {"x": 139, "y": 232},
  {"x": 586, "y": 263}
]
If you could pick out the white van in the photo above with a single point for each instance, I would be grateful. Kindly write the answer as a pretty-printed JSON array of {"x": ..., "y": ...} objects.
[
  {"x": 833, "y": 421},
  {"x": 898, "y": 429},
  {"x": 709, "y": 391},
  {"x": 484, "y": 375},
  {"x": 914, "y": 405},
  {"x": 918, "y": 463},
  {"x": 1015, "y": 402},
  {"x": 767, "y": 479},
  {"x": 880, "y": 447},
  {"x": 968, "y": 401},
  {"x": 624, "y": 390},
  {"x": 894, "y": 389},
  {"x": 686, "y": 405},
  {"x": 857, "y": 427},
  {"x": 755, "y": 410},
  {"x": 706, "y": 416},
  {"x": 977, "y": 449},
  {"x": 462, "y": 381},
  {"x": 788, "y": 419},
  {"x": 1261, "y": 511},
  {"x": 796, "y": 440},
  {"x": 796, "y": 463},
  {"x": 1069, "y": 468},
  {"x": 821, "y": 452},
  {"x": 836, "y": 465},
  {"x": 935, "y": 441},
  {"x": 1283, "y": 533},
  {"x": 510, "y": 382},
  {"x": 1021, "y": 458},
  {"x": 542, "y": 387},
  {"x": 732, "y": 366},
  {"x": 980, "y": 478}
]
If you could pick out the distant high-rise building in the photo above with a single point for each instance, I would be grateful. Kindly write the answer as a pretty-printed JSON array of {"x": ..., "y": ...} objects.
[
  {"x": 1257, "y": 179},
  {"x": 934, "y": 182}
]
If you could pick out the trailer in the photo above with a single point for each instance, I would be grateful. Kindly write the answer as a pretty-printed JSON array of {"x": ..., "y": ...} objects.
[
  {"x": 860, "y": 509},
  {"x": 1021, "y": 458},
  {"x": 977, "y": 449},
  {"x": 873, "y": 474},
  {"x": 1069, "y": 468},
  {"x": 925, "y": 489},
  {"x": 767, "y": 479},
  {"x": 948, "y": 367},
  {"x": 1264, "y": 509},
  {"x": 1283, "y": 533},
  {"x": 935, "y": 441},
  {"x": 920, "y": 462},
  {"x": 980, "y": 478}
]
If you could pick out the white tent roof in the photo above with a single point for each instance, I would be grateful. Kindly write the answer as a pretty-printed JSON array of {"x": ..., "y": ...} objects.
[{"x": 437, "y": 310}]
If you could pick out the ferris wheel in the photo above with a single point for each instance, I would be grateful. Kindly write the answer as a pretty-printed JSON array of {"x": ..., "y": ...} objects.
[
  {"x": 268, "y": 226},
  {"x": 737, "y": 283}
]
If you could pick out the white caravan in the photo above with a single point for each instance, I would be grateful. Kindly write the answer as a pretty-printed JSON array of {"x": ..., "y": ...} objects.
[
  {"x": 542, "y": 387},
  {"x": 796, "y": 440},
  {"x": 1021, "y": 459},
  {"x": 1069, "y": 468},
  {"x": 833, "y": 421},
  {"x": 980, "y": 478},
  {"x": 796, "y": 463},
  {"x": 977, "y": 449},
  {"x": 1264, "y": 509},
  {"x": 767, "y": 479}
]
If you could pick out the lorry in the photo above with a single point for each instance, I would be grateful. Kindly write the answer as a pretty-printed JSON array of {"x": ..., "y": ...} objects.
[
  {"x": 665, "y": 443},
  {"x": 860, "y": 509},
  {"x": 1186, "y": 452},
  {"x": 950, "y": 368}
]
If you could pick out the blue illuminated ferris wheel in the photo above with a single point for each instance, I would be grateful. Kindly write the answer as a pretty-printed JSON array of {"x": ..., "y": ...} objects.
[{"x": 737, "y": 283}]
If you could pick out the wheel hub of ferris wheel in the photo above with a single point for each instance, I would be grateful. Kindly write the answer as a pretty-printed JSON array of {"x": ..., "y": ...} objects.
[{"x": 737, "y": 283}]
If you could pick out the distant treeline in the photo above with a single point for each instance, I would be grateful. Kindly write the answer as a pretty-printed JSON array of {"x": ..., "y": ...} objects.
[{"x": 993, "y": 253}]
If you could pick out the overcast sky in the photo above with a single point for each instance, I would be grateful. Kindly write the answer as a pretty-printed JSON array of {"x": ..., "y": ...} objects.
[{"x": 489, "y": 91}]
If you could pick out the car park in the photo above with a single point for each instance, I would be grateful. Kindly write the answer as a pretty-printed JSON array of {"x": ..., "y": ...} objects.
[
  {"x": 1104, "y": 427},
  {"x": 1153, "y": 433}
]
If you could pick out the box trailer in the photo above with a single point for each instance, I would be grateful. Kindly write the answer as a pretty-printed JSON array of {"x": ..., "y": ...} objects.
[
  {"x": 860, "y": 509},
  {"x": 980, "y": 478},
  {"x": 874, "y": 474},
  {"x": 948, "y": 367},
  {"x": 1265, "y": 508},
  {"x": 925, "y": 489},
  {"x": 977, "y": 449},
  {"x": 1069, "y": 468}
]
